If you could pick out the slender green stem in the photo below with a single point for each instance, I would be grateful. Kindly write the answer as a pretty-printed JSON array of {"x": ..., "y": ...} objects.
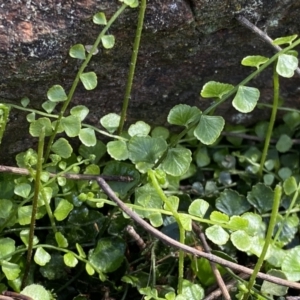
[
  {"x": 134, "y": 55},
  {"x": 37, "y": 188},
  {"x": 268, "y": 240},
  {"x": 272, "y": 121},
  {"x": 175, "y": 214},
  {"x": 77, "y": 78},
  {"x": 284, "y": 221}
]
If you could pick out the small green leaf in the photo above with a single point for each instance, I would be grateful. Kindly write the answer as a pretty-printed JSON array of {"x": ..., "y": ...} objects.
[
  {"x": 48, "y": 106},
  {"x": 37, "y": 125},
  {"x": 237, "y": 222},
  {"x": 183, "y": 115},
  {"x": 79, "y": 111},
  {"x": 245, "y": 99},
  {"x": 286, "y": 65},
  {"x": 284, "y": 143},
  {"x": 209, "y": 129},
  {"x": 160, "y": 131},
  {"x": 41, "y": 256},
  {"x": 254, "y": 61},
  {"x": 191, "y": 291},
  {"x": 63, "y": 209},
  {"x": 36, "y": 292},
  {"x": 290, "y": 185},
  {"x": 98, "y": 150},
  {"x": 57, "y": 94},
  {"x": 232, "y": 203},
  {"x": 155, "y": 219},
  {"x": 118, "y": 150},
  {"x": 198, "y": 208},
  {"x": 292, "y": 119},
  {"x": 241, "y": 240},
  {"x": 87, "y": 137},
  {"x": 201, "y": 156},
  {"x": 174, "y": 202},
  {"x": 108, "y": 254},
  {"x": 30, "y": 117},
  {"x": 261, "y": 197},
  {"x": 271, "y": 288},
  {"x": 140, "y": 128},
  {"x": 89, "y": 80},
  {"x": 89, "y": 269},
  {"x": 7, "y": 246},
  {"x": 177, "y": 161},
  {"x": 219, "y": 217},
  {"x": 62, "y": 148},
  {"x": 61, "y": 240},
  {"x": 25, "y": 101},
  {"x": 6, "y": 207},
  {"x": 70, "y": 260},
  {"x": 22, "y": 190},
  {"x": 144, "y": 151},
  {"x": 99, "y": 18},
  {"x": 80, "y": 251},
  {"x": 77, "y": 51},
  {"x": 131, "y": 3},
  {"x": 213, "y": 89},
  {"x": 217, "y": 235},
  {"x": 285, "y": 40},
  {"x": 10, "y": 270},
  {"x": 110, "y": 122},
  {"x": 108, "y": 41},
  {"x": 186, "y": 222},
  {"x": 291, "y": 264},
  {"x": 71, "y": 125}
]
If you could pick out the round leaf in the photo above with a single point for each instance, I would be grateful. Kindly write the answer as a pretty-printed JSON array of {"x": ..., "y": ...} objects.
[
  {"x": 232, "y": 203},
  {"x": 177, "y": 161},
  {"x": 63, "y": 209},
  {"x": 99, "y": 18},
  {"x": 108, "y": 41},
  {"x": 245, "y": 99},
  {"x": 89, "y": 80},
  {"x": 209, "y": 129},
  {"x": 22, "y": 190},
  {"x": 271, "y": 288},
  {"x": 87, "y": 137},
  {"x": 286, "y": 65},
  {"x": 110, "y": 122},
  {"x": 217, "y": 235},
  {"x": 290, "y": 185},
  {"x": 261, "y": 197},
  {"x": 79, "y": 111},
  {"x": 198, "y": 208},
  {"x": 57, "y": 94},
  {"x": 214, "y": 89},
  {"x": 62, "y": 148},
  {"x": 241, "y": 240},
  {"x": 285, "y": 40},
  {"x": 48, "y": 106},
  {"x": 37, "y": 125},
  {"x": 36, "y": 292},
  {"x": 77, "y": 51},
  {"x": 183, "y": 114},
  {"x": 61, "y": 240},
  {"x": 70, "y": 260},
  {"x": 291, "y": 264},
  {"x": 284, "y": 143},
  {"x": 71, "y": 125},
  {"x": 140, "y": 128},
  {"x": 108, "y": 254},
  {"x": 41, "y": 257},
  {"x": 117, "y": 150}
]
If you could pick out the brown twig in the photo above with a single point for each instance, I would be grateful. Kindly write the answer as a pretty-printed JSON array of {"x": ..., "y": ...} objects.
[
  {"x": 214, "y": 268},
  {"x": 164, "y": 238},
  {"x": 23, "y": 171},
  {"x": 16, "y": 295},
  {"x": 245, "y": 22}
]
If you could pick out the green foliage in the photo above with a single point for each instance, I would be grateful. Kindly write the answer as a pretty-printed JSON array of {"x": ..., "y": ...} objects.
[{"x": 200, "y": 175}]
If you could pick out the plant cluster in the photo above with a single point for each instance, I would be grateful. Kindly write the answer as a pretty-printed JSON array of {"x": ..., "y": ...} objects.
[{"x": 237, "y": 185}]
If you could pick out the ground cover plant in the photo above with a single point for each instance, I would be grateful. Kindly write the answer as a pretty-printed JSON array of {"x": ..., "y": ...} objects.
[{"x": 98, "y": 221}]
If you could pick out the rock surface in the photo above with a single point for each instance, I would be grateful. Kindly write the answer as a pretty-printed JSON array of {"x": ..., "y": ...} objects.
[{"x": 185, "y": 43}]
